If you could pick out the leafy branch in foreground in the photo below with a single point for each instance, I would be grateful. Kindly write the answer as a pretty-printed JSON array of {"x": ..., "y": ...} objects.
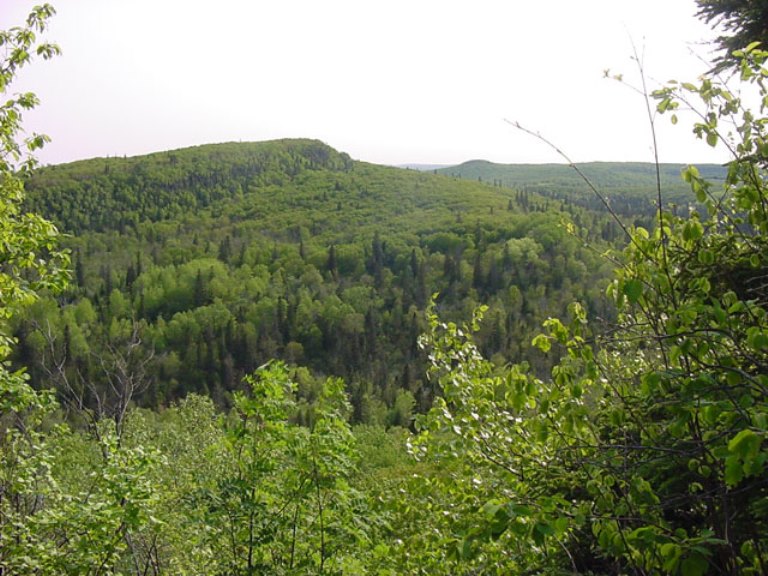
[
  {"x": 43, "y": 529},
  {"x": 645, "y": 450}
]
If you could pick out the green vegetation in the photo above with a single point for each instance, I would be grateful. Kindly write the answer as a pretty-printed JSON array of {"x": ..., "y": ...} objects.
[
  {"x": 162, "y": 435},
  {"x": 644, "y": 450},
  {"x": 630, "y": 187},
  {"x": 744, "y": 21},
  {"x": 196, "y": 266}
]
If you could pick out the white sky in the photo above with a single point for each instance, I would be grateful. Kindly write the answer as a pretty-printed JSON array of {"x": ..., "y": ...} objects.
[{"x": 391, "y": 82}]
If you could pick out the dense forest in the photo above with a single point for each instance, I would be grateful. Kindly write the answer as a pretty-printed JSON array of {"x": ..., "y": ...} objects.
[
  {"x": 626, "y": 186},
  {"x": 207, "y": 262},
  {"x": 267, "y": 358}
]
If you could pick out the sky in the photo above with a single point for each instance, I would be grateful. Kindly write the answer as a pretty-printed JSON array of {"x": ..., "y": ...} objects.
[{"x": 395, "y": 82}]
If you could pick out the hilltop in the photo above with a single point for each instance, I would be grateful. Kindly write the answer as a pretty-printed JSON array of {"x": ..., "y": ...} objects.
[{"x": 219, "y": 258}]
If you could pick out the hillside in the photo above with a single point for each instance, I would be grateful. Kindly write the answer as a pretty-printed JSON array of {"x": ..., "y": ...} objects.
[
  {"x": 630, "y": 186},
  {"x": 206, "y": 262},
  {"x": 272, "y": 359},
  {"x": 111, "y": 193}
]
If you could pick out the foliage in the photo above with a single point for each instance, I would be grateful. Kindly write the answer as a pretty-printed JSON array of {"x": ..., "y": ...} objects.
[
  {"x": 635, "y": 450},
  {"x": 87, "y": 528},
  {"x": 644, "y": 451},
  {"x": 744, "y": 22},
  {"x": 629, "y": 185},
  {"x": 216, "y": 259},
  {"x": 29, "y": 261},
  {"x": 278, "y": 500},
  {"x": 25, "y": 242},
  {"x": 44, "y": 529}
]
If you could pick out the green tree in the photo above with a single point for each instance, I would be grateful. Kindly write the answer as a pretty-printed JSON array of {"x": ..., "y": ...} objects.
[
  {"x": 29, "y": 258},
  {"x": 29, "y": 263},
  {"x": 44, "y": 529},
  {"x": 644, "y": 451},
  {"x": 744, "y": 21},
  {"x": 281, "y": 502}
]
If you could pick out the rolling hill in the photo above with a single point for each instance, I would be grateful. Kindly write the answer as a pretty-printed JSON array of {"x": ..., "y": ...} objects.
[
  {"x": 195, "y": 266},
  {"x": 630, "y": 186}
]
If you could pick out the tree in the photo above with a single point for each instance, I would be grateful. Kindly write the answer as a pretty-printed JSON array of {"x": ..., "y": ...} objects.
[
  {"x": 745, "y": 21},
  {"x": 29, "y": 259},
  {"x": 645, "y": 450},
  {"x": 281, "y": 502},
  {"x": 44, "y": 529}
]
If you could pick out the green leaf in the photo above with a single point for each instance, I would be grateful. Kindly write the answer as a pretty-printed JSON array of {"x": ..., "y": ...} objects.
[
  {"x": 733, "y": 471},
  {"x": 694, "y": 565},
  {"x": 542, "y": 342},
  {"x": 671, "y": 553},
  {"x": 706, "y": 257},
  {"x": 561, "y": 524},
  {"x": 692, "y": 230},
  {"x": 757, "y": 339},
  {"x": 633, "y": 289},
  {"x": 700, "y": 191},
  {"x": 690, "y": 173},
  {"x": 745, "y": 444},
  {"x": 466, "y": 549},
  {"x": 490, "y": 508}
]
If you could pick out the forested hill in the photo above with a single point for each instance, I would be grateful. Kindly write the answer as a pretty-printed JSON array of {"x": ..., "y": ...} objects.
[
  {"x": 198, "y": 265},
  {"x": 110, "y": 193},
  {"x": 630, "y": 186}
]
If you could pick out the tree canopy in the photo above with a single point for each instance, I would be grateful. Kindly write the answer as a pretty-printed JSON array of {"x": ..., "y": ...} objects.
[
  {"x": 636, "y": 444},
  {"x": 744, "y": 21}
]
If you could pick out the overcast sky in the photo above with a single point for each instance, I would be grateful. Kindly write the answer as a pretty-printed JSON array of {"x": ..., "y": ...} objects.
[{"x": 391, "y": 82}]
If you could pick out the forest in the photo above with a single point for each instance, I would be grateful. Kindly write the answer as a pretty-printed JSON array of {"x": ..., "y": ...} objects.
[
  {"x": 208, "y": 262},
  {"x": 628, "y": 186},
  {"x": 270, "y": 358}
]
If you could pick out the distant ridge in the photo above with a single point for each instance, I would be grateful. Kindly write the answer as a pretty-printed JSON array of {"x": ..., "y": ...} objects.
[
  {"x": 609, "y": 173},
  {"x": 424, "y": 167},
  {"x": 630, "y": 180}
]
